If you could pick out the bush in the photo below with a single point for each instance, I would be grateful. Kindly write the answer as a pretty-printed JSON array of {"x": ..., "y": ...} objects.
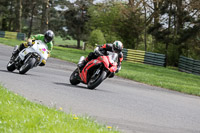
[{"x": 96, "y": 37}]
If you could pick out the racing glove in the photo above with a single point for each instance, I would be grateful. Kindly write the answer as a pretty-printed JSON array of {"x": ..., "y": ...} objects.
[
  {"x": 29, "y": 43},
  {"x": 98, "y": 52}
]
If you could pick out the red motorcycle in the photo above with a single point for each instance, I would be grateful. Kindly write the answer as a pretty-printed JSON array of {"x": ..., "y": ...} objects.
[{"x": 95, "y": 71}]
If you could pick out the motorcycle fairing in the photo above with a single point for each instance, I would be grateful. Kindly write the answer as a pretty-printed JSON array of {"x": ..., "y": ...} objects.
[
  {"x": 89, "y": 65},
  {"x": 38, "y": 47},
  {"x": 24, "y": 52},
  {"x": 96, "y": 62},
  {"x": 109, "y": 65}
]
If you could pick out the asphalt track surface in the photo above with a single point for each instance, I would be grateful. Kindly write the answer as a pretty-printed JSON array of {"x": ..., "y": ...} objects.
[{"x": 130, "y": 106}]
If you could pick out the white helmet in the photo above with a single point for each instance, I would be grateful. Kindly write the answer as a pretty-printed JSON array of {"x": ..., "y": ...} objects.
[{"x": 118, "y": 46}]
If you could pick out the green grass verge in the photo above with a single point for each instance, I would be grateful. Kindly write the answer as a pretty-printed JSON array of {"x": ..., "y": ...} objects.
[
  {"x": 20, "y": 115},
  {"x": 161, "y": 77},
  {"x": 168, "y": 78},
  {"x": 68, "y": 54},
  {"x": 10, "y": 42},
  {"x": 59, "y": 41}
]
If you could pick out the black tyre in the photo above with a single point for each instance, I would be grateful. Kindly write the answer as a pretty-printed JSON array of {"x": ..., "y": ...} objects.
[
  {"x": 74, "y": 78},
  {"x": 11, "y": 66},
  {"x": 96, "y": 80},
  {"x": 28, "y": 65}
]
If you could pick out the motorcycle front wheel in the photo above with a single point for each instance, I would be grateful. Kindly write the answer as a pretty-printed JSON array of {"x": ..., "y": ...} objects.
[
  {"x": 74, "y": 77},
  {"x": 28, "y": 65},
  {"x": 95, "y": 81},
  {"x": 11, "y": 66}
]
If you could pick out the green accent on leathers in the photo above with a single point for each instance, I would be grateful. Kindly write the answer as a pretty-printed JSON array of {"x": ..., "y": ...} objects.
[{"x": 41, "y": 37}]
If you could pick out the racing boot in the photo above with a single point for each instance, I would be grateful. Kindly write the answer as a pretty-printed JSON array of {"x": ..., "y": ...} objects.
[
  {"x": 15, "y": 52},
  {"x": 17, "y": 49}
]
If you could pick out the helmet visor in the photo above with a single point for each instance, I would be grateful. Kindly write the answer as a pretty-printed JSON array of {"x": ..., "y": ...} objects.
[{"x": 47, "y": 39}]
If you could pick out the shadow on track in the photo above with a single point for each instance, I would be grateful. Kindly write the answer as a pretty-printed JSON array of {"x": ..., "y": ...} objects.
[
  {"x": 74, "y": 86},
  {"x": 81, "y": 87},
  {"x": 6, "y": 71}
]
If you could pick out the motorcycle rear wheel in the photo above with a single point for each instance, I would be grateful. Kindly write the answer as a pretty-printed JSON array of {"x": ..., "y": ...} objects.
[
  {"x": 74, "y": 77},
  {"x": 27, "y": 66},
  {"x": 93, "y": 84}
]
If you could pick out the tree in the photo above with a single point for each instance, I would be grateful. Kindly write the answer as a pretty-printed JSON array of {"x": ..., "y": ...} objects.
[
  {"x": 118, "y": 21},
  {"x": 56, "y": 19},
  {"x": 145, "y": 25},
  {"x": 32, "y": 13},
  {"x": 130, "y": 27},
  {"x": 102, "y": 16},
  {"x": 45, "y": 14},
  {"x": 75, "y": 19},
  {"x": 18, "y": 16},
  {"x": 175, "y": 29},
  {"x": 7, "y": 14},
  {"x": 96, "y": 37}
]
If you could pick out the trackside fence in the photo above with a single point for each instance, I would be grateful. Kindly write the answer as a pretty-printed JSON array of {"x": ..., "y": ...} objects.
[
  {"x": 139, "y": 56},
  {"x": 189, "y": 65},
  {"x": 12, "y": 35}
]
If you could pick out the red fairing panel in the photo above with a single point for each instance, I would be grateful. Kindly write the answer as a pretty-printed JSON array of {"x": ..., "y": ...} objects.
[
  {"x": 105, "y": 60},
  {"x": 90, "y": 64}
]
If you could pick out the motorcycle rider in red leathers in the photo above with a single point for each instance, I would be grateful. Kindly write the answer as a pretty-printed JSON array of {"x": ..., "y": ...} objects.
[{"x": 116, "y": 47}]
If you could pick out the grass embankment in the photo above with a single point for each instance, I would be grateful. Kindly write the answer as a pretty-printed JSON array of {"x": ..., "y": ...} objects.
[
  {"x": 20, "y": 115},
  {"x": 69, "y": 54},
  {"x": 59, "y": 41},
  {"x": 152, "y": 75},
  {"x": 162, "y": 77}
]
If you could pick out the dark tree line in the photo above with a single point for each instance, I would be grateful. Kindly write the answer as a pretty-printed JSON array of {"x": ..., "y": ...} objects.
[
  {"x": 24, "y": 16},
  {"x": 171, "y": 27}
]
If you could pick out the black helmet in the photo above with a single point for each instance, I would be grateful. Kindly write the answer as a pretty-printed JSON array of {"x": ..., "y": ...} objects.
[
  {"x": 48, "y": 36},
  {"x": 118, "y": 46}
]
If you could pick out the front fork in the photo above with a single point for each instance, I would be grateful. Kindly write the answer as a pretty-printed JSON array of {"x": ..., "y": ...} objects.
[
  {"x": 19, "y": 62},
  {"x": 27, "y": 58}
]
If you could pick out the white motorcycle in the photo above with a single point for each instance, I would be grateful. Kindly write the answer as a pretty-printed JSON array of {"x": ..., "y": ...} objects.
[{"x": 29, "y": 57}]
